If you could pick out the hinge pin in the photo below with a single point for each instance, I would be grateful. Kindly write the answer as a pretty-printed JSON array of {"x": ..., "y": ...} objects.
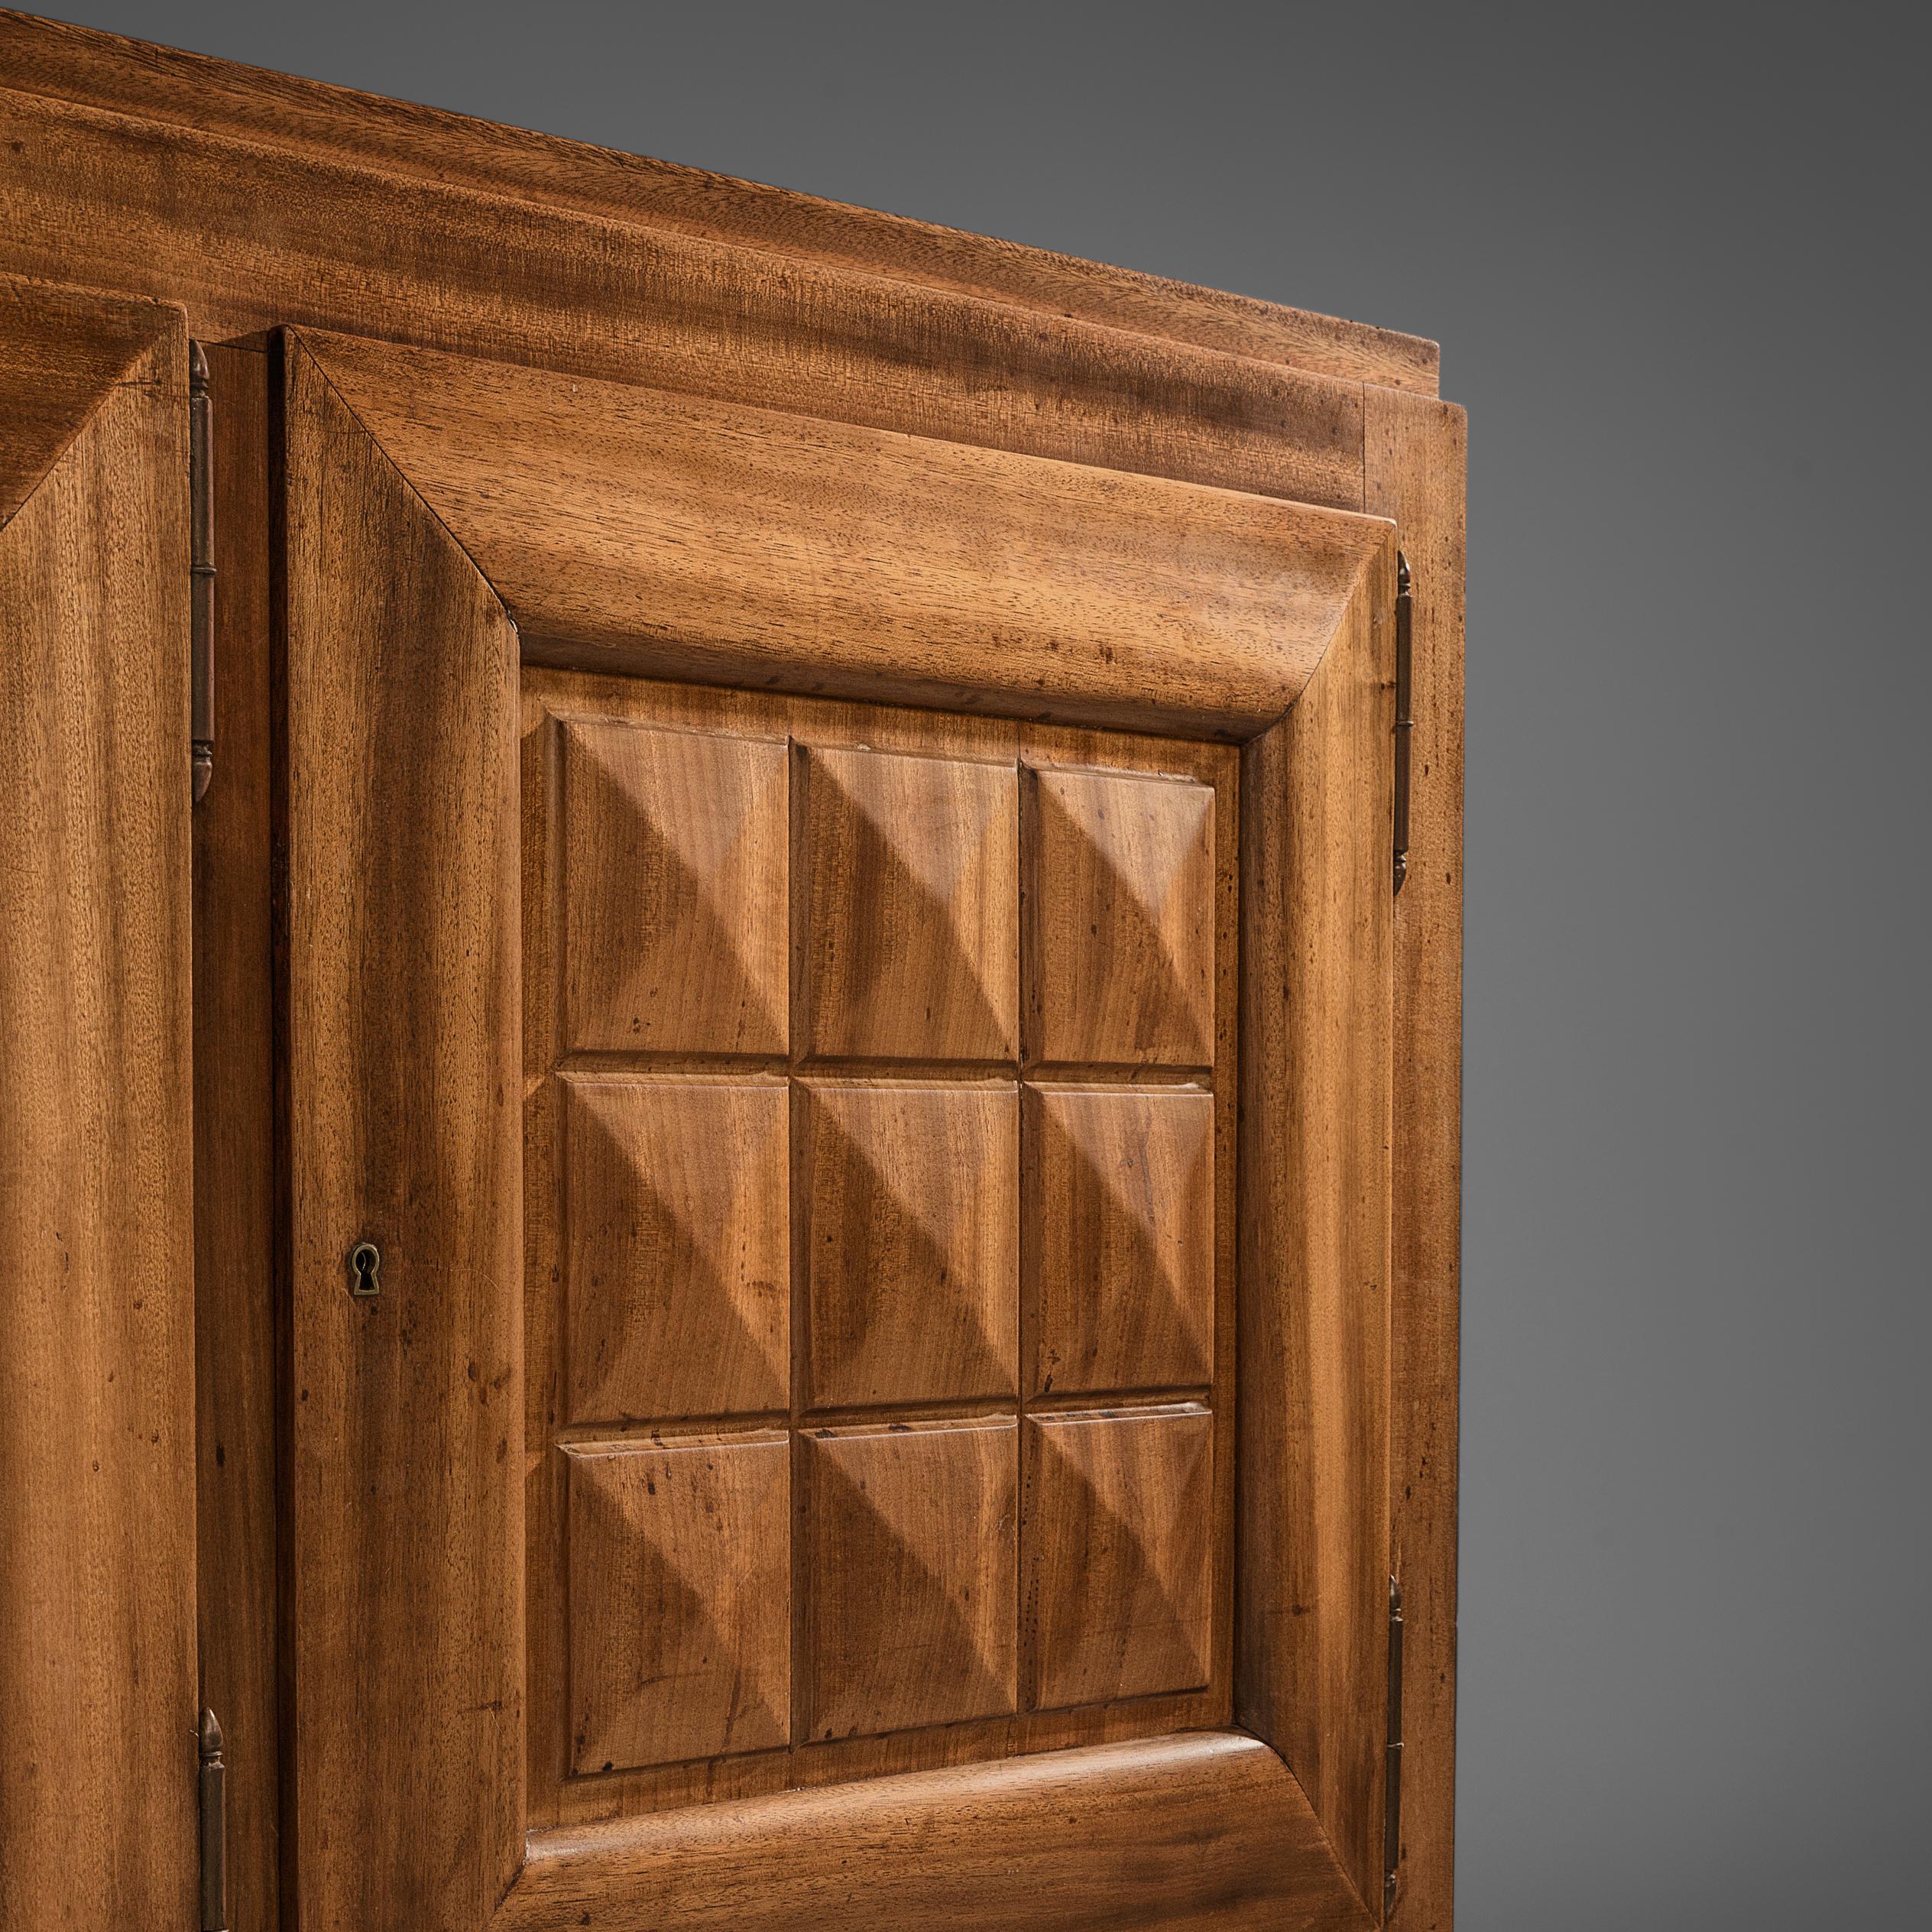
[
  {"x": 201, "y": 567},
  {"x": 1392, "y": 1815},
  {"x": 214, "y": 1828},
  {"x": 1404, "y": 709}
]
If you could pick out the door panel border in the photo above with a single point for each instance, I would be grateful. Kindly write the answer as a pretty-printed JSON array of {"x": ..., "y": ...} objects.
[
  {"x": 98, "y": 1692},
  {"x": 635, "y": 530},
  {"x": 376, "y": 672}
]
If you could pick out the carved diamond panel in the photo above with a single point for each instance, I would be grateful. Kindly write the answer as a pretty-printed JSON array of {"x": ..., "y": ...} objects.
[
  {"x": 912, "y": 1237},
  {"x": 1119, "y": 1526},
  {"x": 1123, "y": 1215},
  {"x": 1121, "y": 910},
  {"x": 912, "y": 935},
  {"x": 913, "y": 1529},
  {"x": 680, "y": 1594},
  {"x": 678, "y": 1248},
  {"x": 874, "y": 1225},
  {"x": 674, "y": 863}
]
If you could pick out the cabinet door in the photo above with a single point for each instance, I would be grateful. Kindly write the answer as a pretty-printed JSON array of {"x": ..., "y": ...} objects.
[
  {"x": 836, "y": 1014},
  {"x": 97, "y": 1522}
]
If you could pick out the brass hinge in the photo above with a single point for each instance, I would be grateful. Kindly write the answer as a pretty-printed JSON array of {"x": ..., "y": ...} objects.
[
  {"x": 214, "y": 1828},
  {"x": 1404, "y": 709},
  {"x": 201, "y": 567},
  {"x": 1392, "y": 1815}
]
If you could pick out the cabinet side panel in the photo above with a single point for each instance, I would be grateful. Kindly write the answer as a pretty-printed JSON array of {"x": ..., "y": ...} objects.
[{"x": 1416, "y": 465}]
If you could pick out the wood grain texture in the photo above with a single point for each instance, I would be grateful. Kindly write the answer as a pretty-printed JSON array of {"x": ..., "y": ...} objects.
[
  {"x": 1119, "y": 1549},
  {"x": 912, "y": 1531},
  {"x": 1120, "y": 918},
  {"x": 1417, "y": 460},
  {"x": 680, "y": 1599},
  {"x": 678, "y": 1267},
  {"x": 911, "y": 1240},
  {"x": 400, "y": 1003},
  {"x": 97, "y": 1508},
  {"x": 679, "y": 536},
  {"x": 674, "y": 890},
  {"x": 1313, "y": 1400},
  {"x": 248, "y": 237},
  {"x": 308, "y": 117},
  {"x": 1123, "y": 1184},
  {"x": 240, "y": 1336},
  {"x": 1204, "y": 1831},
  {"x": 909, "y": 943}
]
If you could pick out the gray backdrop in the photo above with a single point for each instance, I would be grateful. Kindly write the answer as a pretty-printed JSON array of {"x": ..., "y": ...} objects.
[{"x": 1678, "y": 274}]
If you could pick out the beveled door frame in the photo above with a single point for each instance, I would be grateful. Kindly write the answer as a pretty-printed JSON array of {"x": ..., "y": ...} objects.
[
  {"x": 1089, "y": 597},
  {"x": 97, "y": 1385}
]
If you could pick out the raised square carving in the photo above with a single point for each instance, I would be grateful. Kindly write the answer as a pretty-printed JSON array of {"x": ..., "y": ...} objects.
[
  {"x": 1123, "y": 1222},
  {"x": 677, "y": 1248},
  {"x": 1119, "y": 1523},
  {"x": 680, "y": 1593},
  {"x": 912, "y": 935},
  {"x": 1121, "y": 917},
  {"x": 913, "y": 1241},
  {"x": 674, "y": 849},
  {"x": 911, "y": 1606}
]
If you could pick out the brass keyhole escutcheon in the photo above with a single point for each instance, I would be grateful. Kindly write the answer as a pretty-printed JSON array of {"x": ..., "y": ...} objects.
[{"x": 366, "y": 1271}]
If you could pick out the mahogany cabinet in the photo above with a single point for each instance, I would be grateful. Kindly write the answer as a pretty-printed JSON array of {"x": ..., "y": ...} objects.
[{"x": 730, "y": 1018}]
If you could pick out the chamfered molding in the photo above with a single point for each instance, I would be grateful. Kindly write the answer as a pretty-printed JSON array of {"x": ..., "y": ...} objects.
[
  {"x": 305, "y": 117},
  {"x": 496, "y": 497},
  {"x": 252, "y": 234},
  {"x": 1313, "y": 1360},
  {"x": 1203, "y": 1829},
  {"x": 630, "y": 529}
]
